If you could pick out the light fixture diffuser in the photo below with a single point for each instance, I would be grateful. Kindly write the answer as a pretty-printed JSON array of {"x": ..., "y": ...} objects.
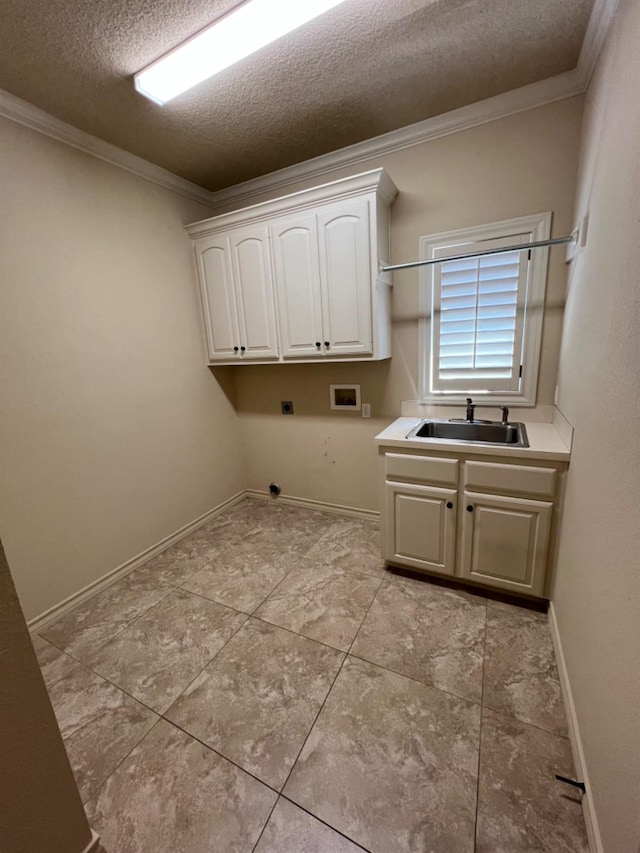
[{"x": 240, "y": 33}]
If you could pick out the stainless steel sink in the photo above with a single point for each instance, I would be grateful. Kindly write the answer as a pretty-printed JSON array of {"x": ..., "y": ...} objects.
[{"x": 514, "y": 435}]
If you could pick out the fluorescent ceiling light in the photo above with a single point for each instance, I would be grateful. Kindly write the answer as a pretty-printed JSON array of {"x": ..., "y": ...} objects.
[{"x": 240, "y": 33}]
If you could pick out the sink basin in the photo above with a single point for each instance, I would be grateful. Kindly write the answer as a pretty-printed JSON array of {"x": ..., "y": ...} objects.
[{"x": 514, "y": 435}]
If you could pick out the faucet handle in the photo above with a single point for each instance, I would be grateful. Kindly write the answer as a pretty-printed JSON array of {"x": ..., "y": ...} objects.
[{"x": 470, "y": 409}]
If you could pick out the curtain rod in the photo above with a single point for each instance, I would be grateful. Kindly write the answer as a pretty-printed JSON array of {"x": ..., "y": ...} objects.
[{"x": 556, "y": 241}]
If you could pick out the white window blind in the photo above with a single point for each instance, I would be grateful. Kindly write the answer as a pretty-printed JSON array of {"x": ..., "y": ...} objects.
[
  {"x": 481, "y": 318},
  {"x": 479, "y": 305}
]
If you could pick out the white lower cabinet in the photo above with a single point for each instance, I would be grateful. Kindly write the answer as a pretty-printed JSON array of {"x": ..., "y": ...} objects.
[
  {"x": 505, "y": 542},
  {"x": 422, "y": 527},
  {"x": 498, "y": 540}
]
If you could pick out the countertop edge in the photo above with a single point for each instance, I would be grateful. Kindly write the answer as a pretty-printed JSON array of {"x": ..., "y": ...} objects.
[{"x": 544, "y": 440}]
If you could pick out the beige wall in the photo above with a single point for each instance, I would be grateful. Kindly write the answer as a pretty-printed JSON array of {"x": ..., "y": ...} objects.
[
  {"x": 40, "y": 807},
  {"x": 597, "y": 589},
  {"x": 518, "y": 165},
  {"x": 114, "y": 433}
]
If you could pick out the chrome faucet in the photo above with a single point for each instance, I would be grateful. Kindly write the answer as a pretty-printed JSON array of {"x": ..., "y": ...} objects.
[{"x": 471, "y": 408}]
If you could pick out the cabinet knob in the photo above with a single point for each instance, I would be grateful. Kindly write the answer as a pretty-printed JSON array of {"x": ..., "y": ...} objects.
[
  {"x": 449, "y": 505},
  {"x": 327, "y": 344},
  {"x": 235, "y": 349},
  {"x": 469, "y": 508},
  {"x": 318, "y": 344},
  {"x": 242, "y": 349}
]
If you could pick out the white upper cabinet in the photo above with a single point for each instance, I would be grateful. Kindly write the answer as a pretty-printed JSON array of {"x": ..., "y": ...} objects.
[
  {"x": 294, "y": 244},
  {"x": 298, "y": 277},
  {"x": 218, "y": 298},
  {"x": 234, "y": 269},
  {"x": 345, "y": 278},
  {"x": 251, "y": 262}
]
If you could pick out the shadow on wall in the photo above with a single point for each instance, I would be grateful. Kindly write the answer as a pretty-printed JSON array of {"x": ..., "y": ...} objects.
[
  {"x": 225, "y": 377},
  {"x": 259, "y": 389}
]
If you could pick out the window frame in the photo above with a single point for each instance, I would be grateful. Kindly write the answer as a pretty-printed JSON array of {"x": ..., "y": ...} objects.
[{"x": 537, "y": 227}]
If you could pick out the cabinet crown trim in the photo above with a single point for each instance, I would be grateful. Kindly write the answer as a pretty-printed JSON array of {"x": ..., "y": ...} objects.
[{"x": 375, "y": 181}]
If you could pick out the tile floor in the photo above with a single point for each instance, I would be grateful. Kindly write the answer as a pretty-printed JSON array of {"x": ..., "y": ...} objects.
[{"x": 268, "y": 685}]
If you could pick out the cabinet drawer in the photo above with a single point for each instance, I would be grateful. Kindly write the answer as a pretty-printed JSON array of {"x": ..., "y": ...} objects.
[
  {"x": 510, "y": 478},
  {"x": 429, "y": 469}
]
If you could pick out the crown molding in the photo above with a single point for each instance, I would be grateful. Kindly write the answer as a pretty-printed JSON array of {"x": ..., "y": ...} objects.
[
  {"x": 529, "y": 97},
  {"x": 597, "y": 29},
  {"x": 548, "y": 91},
  {"x": 375, "y": 181},
  {"x": 26, "y": 114},
  {"x": 482, "y": 112}
]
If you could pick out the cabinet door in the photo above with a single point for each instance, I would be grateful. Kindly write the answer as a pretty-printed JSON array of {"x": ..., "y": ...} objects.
[
  {"x": 251, "y": 261},
  {"x": 505, "y": 541},
  {"x": 294, "y": 243},
  {"x": 218, "y": 299},
  {"x": 345, "y": 277},
  {"x": 419, "y": 527}
]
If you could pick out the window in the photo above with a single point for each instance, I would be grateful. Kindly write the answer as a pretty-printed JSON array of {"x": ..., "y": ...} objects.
[{"x": 481, "y": 317}]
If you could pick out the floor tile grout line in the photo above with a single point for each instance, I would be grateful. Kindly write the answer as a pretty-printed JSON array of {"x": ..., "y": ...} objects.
[
  {"x": 414, "y": 679},
  {"x": 475, "y": 826},
  {"x": 512, "y": 714},
  {"x": 104, "y": 678},
  {"x": 298, "y": 634},
  {"x": 137, "y": 698},
  {"x": 111, "y": 683},
  {"x": 304, "y": 637},
  {"x": 324, "y": 822},
  {"x": 173, "y": 589},
  {"x": 121, "y": 762},
  {"x": 484, "y": 658},
  {"x": 345, "y": 569},
  {"x": 223, "y": 549},
  {"x": 219, "y": 754},
  {"x": 313, "y": 724},
  {"x": 209, "y": 662},
  {"x": 271, "y": 591},
  {"x": 170, "y": 592},
  {"x": 349, "y": 653},
  {"x": 375, "y": 595},
  {"x": 517, "y": 719},
  {"x": 213, "y": 601},
  {"x": 266, "y": 823},
  {"x": 128, "y": 625},
  {"x": 294, "y": 566}
]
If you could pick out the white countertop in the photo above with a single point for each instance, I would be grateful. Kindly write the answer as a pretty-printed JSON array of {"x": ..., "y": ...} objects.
[{"x": 544, "y": 442}]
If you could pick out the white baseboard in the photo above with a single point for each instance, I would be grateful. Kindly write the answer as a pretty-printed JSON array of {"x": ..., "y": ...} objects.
[
  {"x": 94, "y": 845},
  {"x": 39, "y": 622},
  {"x": 577, "y": 749},
  {"x": 320, "y": 506},
  {"x": 53, "y": 613}
]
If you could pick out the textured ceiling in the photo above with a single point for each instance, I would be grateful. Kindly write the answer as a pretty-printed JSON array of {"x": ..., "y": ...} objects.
[{"x": 366, "y": 67}]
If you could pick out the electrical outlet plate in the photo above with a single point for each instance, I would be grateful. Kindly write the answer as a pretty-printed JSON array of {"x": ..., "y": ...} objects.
[
  {"x": 580, "y": 239},
  {"x": 366, "y": 410}
]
